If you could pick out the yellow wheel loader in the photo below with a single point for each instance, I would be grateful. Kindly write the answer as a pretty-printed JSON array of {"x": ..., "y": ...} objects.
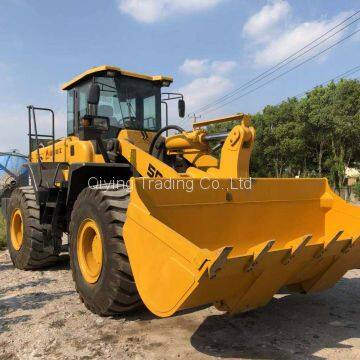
[{"x": 171, "y": 221}]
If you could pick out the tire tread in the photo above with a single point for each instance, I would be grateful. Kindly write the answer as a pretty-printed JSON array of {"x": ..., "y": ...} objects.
[{"x": 34, "y": 257}]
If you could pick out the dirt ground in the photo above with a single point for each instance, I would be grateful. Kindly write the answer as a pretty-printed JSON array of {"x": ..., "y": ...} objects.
[{"x": 42, "y": 317}]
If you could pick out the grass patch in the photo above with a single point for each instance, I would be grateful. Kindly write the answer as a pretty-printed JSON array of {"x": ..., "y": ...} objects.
[{"x": 2, "y": 233}]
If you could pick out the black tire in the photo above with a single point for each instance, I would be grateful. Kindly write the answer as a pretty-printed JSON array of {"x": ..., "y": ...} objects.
[
  {"x": 114, "y": 291},
  {"x": 31, "y": 254}
]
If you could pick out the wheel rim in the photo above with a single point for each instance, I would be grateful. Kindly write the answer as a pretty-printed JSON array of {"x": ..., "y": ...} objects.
[
  {"x": 89, "y": 251},
  {"x": 17, "y": 229}
]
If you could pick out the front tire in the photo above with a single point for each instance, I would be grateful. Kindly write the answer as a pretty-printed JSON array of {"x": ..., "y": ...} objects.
[
  {"x": 25, "y": 235},
  {"x": 98, "y": 257}
]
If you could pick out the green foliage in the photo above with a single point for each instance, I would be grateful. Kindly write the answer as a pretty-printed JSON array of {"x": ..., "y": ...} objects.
[
  {"x": 315, "y": 136},
  {"x": 2, "y": 233},
  {"x": 356, "y": 190}
]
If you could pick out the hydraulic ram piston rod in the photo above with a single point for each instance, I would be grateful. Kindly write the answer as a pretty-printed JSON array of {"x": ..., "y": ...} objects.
[{"x": 218, "y": 136}]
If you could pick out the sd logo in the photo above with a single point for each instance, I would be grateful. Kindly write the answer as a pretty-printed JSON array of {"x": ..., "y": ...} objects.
[{"x": 153, "y": 173}]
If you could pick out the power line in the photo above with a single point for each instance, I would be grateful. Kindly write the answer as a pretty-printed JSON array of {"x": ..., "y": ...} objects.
[
  {"x": 277, "y": 66},
  {"x": 281, "y": 64},
  {"x": 283, "y": 73},
  {"x": 349, "y": 72},
  {"x": 287, "y": 63}
]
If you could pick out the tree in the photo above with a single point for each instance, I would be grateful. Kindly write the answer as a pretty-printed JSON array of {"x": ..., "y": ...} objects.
[
  {"x": 316, "y": 136},
  {"x": 345, "y": 138},
  {"x": 279, "y": 143},
  {"x": 357, "y": 190},
  {"x": 315, "y": 113}
]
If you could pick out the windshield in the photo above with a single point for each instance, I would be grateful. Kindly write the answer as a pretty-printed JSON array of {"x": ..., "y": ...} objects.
[{"x": 130, "y": 103}]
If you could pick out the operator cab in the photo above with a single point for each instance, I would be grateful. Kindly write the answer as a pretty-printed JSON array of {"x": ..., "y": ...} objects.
[{"x": 124, "y": 99}]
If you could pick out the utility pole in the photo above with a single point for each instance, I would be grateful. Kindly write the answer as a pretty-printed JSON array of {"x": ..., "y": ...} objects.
[{"x": 194, "y": 117}]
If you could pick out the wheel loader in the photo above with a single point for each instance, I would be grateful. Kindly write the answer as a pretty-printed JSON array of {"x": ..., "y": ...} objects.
[{"x": 169, "y": 218}]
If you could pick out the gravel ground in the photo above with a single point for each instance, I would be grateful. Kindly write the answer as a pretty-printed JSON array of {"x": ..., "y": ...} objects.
[{"x": 41, "y": 317}]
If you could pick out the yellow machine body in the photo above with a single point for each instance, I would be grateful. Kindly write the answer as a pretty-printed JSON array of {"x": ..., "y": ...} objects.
[{"x": 212, "y": 234}]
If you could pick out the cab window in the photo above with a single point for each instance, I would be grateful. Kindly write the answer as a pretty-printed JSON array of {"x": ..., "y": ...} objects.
[
  {"x": 130, "y": 103},
  {"x": 70, "y": 112},
  {"x": 83, "y": 91}
]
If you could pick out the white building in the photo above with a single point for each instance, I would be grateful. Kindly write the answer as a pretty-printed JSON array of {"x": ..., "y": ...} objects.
[{"x": 353, "y": 175}]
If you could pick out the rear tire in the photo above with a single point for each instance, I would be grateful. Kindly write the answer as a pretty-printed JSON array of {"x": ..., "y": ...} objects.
[
  {"x": 111, "y": 288},
  {"x": 25, "y": 236}
]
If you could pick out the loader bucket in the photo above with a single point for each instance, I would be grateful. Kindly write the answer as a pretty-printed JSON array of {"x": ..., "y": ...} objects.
[{"x": 236, "y": 248}]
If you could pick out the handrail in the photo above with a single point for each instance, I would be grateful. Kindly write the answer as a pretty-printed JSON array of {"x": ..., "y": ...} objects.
[{"x": 32, "y": 121}]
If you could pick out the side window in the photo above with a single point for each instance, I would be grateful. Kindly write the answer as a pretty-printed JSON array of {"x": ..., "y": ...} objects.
[
  {"x": 70, "y": 112},
  {"x": 83, "y": 94},
  {"x": 150, "y": 112}
]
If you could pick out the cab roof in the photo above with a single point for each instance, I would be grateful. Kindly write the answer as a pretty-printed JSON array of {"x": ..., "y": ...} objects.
[{"x": 98, "y": 69}]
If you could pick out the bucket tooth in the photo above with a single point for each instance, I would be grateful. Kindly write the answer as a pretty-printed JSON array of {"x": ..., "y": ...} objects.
[
  {"x": 219, "y": 261},
  {"x": 350, "y": 245},
  {"x": 329, "y": 245},
  {"x": 258, "y": 255},
  {"x": 296, "y": 249},
  {"x": 261, "y": 285},
  {"x": 345, "y": 260}
]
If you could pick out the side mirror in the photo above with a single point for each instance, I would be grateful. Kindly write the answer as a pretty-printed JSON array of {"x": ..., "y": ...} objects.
[
  {"x": 95, "y": 123},
  {"x": 94, "y": 94},
  {"x": 181, "y": 107}
]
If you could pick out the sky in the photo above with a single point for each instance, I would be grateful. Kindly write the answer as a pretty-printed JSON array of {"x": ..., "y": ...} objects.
[{"x": 210, "y": 47}]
